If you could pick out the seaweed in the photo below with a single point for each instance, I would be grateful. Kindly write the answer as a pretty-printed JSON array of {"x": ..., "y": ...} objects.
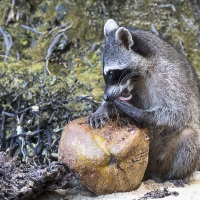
[{"x": 34, "y": 114}]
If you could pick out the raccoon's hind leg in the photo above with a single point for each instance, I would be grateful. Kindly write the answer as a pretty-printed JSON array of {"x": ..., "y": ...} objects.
[{"x": 179, "y": 156}]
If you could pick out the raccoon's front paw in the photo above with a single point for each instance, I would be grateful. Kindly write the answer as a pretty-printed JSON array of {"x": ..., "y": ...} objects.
[{"x": 98, "y": 120}]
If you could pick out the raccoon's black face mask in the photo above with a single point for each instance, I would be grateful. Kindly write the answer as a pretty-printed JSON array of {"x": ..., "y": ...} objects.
[
  {"x": 119, "y": 84},
  {"x": 113, "y": 77}
]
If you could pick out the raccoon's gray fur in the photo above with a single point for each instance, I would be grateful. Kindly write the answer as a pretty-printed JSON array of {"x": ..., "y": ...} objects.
[{"x": 147, "y": 79}]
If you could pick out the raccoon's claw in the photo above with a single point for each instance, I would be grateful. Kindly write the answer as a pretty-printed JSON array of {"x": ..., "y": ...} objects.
[{"x": 97, "y": 120}]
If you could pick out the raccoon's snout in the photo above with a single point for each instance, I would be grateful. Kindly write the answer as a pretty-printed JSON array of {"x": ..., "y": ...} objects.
[
  {"x": 109, "y": 97},
  {"x": 111, "y": 93},
  {"x": 120, "y": 93}
]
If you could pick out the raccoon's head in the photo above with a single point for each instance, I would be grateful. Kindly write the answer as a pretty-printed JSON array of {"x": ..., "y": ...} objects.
[{"x": 122, "y": 61}]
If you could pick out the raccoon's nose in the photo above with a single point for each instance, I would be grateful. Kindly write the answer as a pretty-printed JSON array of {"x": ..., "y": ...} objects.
[{"x": 106, "y": 97}]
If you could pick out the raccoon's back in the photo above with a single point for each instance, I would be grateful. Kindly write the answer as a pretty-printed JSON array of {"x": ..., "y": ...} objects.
[{"x": 169, "y": 83}]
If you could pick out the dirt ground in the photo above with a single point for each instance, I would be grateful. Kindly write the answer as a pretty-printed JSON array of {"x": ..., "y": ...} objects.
[{"x": 188, "y": 192}]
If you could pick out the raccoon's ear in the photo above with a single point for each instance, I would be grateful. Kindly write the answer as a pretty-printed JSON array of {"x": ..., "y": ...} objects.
[
  {"x": 124, "y": 37},
  {"x": 110, "y": 26}
]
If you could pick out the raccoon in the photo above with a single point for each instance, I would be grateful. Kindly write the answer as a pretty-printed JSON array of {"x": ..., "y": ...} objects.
[{"x": 148, "y": 80}]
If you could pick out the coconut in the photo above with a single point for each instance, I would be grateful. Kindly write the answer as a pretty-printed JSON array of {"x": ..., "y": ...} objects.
[{"x": 110, "y": 159}]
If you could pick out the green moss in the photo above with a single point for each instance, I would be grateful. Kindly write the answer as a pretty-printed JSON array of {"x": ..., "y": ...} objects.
[
  {"x": 4, "y": 10},
  {"x": 82, "y": 69}
]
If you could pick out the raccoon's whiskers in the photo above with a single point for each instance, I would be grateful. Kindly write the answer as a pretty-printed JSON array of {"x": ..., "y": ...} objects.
[
  {"x": 128, "y": 76},
  {"x": 121, "y": 76}
]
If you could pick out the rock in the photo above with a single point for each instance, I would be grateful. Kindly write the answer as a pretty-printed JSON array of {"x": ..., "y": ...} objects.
[{"x": 106, "y": 160}]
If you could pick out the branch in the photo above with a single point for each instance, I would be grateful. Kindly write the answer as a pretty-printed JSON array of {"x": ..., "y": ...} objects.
[{"x": 8, "y": 42}]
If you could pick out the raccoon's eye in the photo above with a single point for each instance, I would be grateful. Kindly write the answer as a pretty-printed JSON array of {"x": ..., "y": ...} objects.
[{"x": 110, "y": 73}]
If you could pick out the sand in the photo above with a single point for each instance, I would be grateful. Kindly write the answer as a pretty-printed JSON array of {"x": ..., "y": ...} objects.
[{"x": 190, "y": 191}]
